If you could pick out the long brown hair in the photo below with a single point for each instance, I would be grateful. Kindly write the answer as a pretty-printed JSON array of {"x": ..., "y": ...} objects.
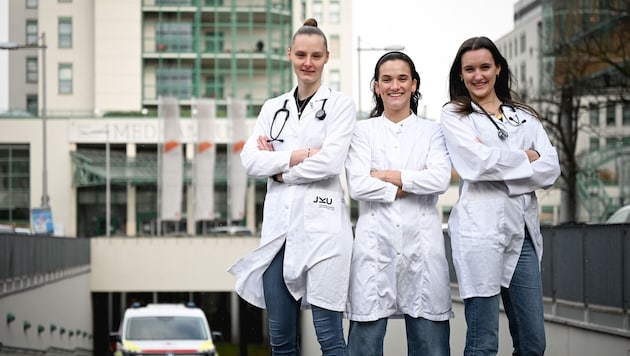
[{"x": 458, "y": 92}]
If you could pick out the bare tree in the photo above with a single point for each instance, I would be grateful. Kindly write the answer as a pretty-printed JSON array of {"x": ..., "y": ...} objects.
[{"x": 586, "y": 61}]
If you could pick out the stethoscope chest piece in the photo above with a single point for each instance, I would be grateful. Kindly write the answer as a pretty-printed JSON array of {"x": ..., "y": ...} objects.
[{"x": 321, "y": 113}]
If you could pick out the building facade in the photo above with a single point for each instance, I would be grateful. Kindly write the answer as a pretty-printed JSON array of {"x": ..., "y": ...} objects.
[{"x": 105, "y": 65}]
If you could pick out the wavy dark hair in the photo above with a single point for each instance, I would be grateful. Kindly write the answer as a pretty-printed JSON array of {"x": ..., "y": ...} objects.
[
  {"x": 415, "y": 96},
  {"x": 458, "y": 92}
]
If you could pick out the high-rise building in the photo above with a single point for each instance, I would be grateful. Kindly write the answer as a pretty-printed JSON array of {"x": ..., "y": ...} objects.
[{"x": 106, "y": 64}]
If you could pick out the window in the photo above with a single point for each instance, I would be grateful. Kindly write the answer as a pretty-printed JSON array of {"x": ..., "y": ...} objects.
[
  {"x": 593, "y": 115},
  {"x": 32, "y": 104},
  {"x": 523, "y": 43},
  {"x": 178, "y": 37},
  {"x": 65, "y": 78},
  {"x": 610, "y": 114},
  {"x": 335, "y": 81},
  {"x": 625, "y": 114},
  {"x": 333, "y": 46},
  {"x": 31, "y": 70},
  {"x": 318, "y": 11},
  {"x": 334, "y": 11},
  {"x": 65, "y": 32},
  {"x": 177, "y": 82},
  {"x": 523, "y": 73},
  {"x": 15, "y": 184},
  {"x": 214, "y": 42},
  {"x": 31, "y": 32},
  {"x": 593, "y": 144},
  {"x": 215, "y": 87},
  {"x": 31, "y": 4}
]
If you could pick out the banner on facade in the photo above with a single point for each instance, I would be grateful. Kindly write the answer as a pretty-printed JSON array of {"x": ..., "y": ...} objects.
[
  {"x": 204, "y": 114},
  {"x": 237, "y": 179},
  {"x": 172, "y": 160}
]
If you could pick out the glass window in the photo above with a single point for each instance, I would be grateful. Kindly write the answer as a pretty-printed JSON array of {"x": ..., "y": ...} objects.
[
  {"x": 32, "y": 104},
  {"x": 594, "y": 144},
  {"x": 610, "y": 114},
  {"x": 523, "y": 43},
  {"x": 15, "y": 184},
  {"x": 31, "y": 32},
  {"x": 31, "y": 4},
  {"x": 318, "y": 11},
  {"x": 31, "y": 70},
  {"x": 335, "y": 79},
  {"x": 333, "y": 46},
  {"x": 523, "y": 73},
  {"x": 593, "y": 115},
  {"x": 333, "y": 11},
  {"x": 178, "y": 37},
  {"x": 177, "y": 81},
  {"x": 625, "y": 115},
  {"x": 65, "y": 32},
  {"x": 65, "y": 78}
]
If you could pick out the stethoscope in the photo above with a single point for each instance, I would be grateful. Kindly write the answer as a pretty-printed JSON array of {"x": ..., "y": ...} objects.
[
  {"x": 511, "y": 117},
  {"x": 320, "y": 115}
]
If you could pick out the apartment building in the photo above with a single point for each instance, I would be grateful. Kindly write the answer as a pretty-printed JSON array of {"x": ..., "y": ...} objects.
[{"x": 104, "y": 66}]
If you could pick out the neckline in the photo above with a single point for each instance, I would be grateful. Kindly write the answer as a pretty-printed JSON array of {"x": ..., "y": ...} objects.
[{"x": 301, "y": 104}]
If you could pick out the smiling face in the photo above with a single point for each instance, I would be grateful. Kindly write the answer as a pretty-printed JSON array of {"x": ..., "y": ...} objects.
[
  {"x": 308, "y": 55},
  {"x": 479, "y": 73},
  {"x": 395, "y": 85}
]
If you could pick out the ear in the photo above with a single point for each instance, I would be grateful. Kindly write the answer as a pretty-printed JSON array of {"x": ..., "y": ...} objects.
[
  {"x": 377, "y": 89},
  {"x": 498, "y": 69},
  {"x": 289, "y": 53},
  {"x": 415, "y": 85}
]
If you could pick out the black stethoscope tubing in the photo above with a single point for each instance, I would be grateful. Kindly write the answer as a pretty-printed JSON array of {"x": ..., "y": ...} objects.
[
  {"x": 503, "y": 134},
  {"x": 320, "y": 115}
]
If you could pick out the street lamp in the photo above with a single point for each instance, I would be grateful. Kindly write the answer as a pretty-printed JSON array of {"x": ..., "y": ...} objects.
[
  {"x": 13, "y": 46},
  {"x": 108, "y": 192},
  {"x": 360, "y": 49}
]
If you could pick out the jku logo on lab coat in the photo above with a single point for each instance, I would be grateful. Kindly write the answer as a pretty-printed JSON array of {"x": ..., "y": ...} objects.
[{"x": 324, "y": 202}]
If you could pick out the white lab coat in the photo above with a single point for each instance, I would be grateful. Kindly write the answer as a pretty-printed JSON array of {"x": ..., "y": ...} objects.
[
  {"x": 497, "y": 198},
  {"x": 307, "y": 211},
  {"x": 399, "y": 263}
]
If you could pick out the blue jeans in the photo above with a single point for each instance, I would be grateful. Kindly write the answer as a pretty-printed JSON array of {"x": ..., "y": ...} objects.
[
  {"x": 284, "y": 317},
  {"x": 523, "y": 304},
  {"x": 424, "y": 337}
]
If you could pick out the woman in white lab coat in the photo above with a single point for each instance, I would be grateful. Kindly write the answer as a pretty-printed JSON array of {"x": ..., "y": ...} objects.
[
  {"x": 397, "y": 167},
  {"x": 502, "y": 154},
  {"x": 299, "y": 143}
]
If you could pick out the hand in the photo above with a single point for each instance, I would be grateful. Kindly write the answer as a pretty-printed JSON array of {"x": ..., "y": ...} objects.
[
  {"x": 532, "y": 155},
  {"x": 263, "y": 144}
]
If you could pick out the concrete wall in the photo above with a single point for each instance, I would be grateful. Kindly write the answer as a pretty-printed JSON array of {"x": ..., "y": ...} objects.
[{"x": 64, "y": 303}]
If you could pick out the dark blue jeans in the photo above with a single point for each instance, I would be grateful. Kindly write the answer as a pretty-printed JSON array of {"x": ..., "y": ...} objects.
[
  {"x": 523, "y": 303},
  {"x": 424, "y": 337},
  {"x": 284, "y": 317}
]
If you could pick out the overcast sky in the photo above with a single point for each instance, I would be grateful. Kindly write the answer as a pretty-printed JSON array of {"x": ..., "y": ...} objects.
[{"x": 431, "y": 32}]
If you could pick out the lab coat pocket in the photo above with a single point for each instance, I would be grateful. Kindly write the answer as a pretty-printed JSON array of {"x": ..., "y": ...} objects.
[
  {"x": 483, "y": 219},
  {"x": 322, "y": 211}
]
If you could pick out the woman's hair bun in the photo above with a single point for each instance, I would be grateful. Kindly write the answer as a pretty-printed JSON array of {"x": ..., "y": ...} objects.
[{"x": 310, "y": 22}]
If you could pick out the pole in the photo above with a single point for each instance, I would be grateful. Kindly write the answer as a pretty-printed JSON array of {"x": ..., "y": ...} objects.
[
  {"x": 108, "y": 193},
  {"x": 45, "y": 200}
]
